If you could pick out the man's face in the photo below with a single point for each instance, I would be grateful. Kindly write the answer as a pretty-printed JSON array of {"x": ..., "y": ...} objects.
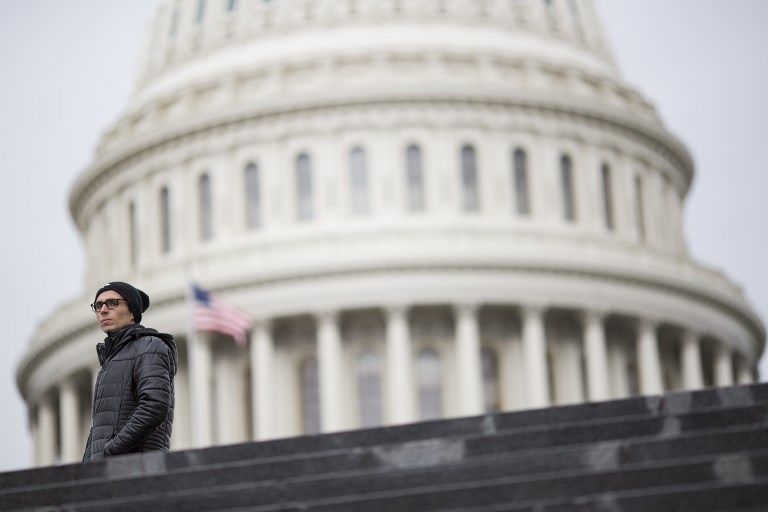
[{"x": 111, "y": 319}]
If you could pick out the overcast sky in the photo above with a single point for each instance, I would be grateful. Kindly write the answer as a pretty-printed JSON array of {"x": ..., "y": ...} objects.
[{"x": 67, "y": 71}]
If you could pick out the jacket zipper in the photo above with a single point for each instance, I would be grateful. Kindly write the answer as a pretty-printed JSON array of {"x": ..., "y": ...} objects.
[{"x": 95, "y": 388}]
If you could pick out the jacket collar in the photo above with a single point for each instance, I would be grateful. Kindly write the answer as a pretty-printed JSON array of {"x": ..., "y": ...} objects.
[{"x": 116, "y": 340}]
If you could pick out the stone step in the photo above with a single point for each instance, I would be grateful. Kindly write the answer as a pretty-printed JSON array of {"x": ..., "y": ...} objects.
[
  {"x": 438, "y": 490},
  {"x": 431, "y": 451},
  {"x": 625, "y": 439},
  {"x": 656, "y": 406},
  {"x": 722, "y": 496},
  {"x": 408, "y": 456}
]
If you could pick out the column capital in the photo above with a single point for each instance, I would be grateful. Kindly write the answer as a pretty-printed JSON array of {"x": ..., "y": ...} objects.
[
  {"x": 724, "y": 350},
  {"x": 396, "y": 309},
  {"x": 264, "y": 322},
  {"x": 470, "y": 308},
  {"x": 692, "y": 335},
  {"x": 646, "y": 322},
  {"x": 533, "y": 309},
  {"x": 67, "y": 383},
  {"x": 326, "y": 315},
  {"x": 595, "y": 314}
]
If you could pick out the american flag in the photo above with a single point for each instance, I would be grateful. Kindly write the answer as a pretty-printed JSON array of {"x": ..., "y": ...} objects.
[{"x": 215, "y": 314}]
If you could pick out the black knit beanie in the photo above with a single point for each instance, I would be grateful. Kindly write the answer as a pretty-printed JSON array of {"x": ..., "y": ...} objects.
[{"x": 138, "y": 301}]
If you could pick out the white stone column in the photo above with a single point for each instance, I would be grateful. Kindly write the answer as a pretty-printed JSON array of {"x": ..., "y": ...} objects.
[
  {"x": 181, "y": 437},
  {"x": 200, "y": 362},
  {"x": 329, "y": 358},
  {"x": 468, "y": 365},
  {"x": 568, "y": 385},
  {"x": 649, "y": 363},
  {"x": 693, "y": 374},
  {"x": 34, "y": 432},
  {"x": 230, "y": 415},
  {"x": 619, "y": 386},
  {"x": 401, "y": 404},
  {"x": 69, "y": 420},
  {"x": 535, "y": 354},
  {"x": 745, "y": 373},
  {"x": 596, "y": 356},
  {"x": 262, "y": 386},
  {"x": 46, "y": 431},
  {"x": 515, "y": 395},
  {"x": 723, "y": 367},
  {"x": 87, "y": 418}
]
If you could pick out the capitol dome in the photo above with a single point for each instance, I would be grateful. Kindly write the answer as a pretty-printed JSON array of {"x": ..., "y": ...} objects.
[{"x": 429, "y": 208}]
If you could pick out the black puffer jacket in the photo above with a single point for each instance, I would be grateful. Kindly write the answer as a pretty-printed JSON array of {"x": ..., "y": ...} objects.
[{"x": 133, "y": 400}]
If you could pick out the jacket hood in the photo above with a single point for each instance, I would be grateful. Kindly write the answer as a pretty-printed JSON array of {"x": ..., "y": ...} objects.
[{"x": 116, "y": 340}]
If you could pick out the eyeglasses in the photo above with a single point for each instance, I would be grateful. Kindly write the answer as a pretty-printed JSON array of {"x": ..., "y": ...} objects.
[{"x": 111, "y": 304}]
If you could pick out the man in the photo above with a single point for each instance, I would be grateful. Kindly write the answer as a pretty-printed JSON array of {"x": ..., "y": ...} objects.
[{"x": 133, "y": 400}]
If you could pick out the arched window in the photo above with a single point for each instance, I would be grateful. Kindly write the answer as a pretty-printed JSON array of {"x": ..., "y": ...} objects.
[
  {"x": 310, "y": 395},
  {"x": 252, "y": 196},
  {"x": 133, "y": 233},
  {"x": 567, "y": 189},
  {"x": 520, "y": 170},
  {"x": 369, "y": 389},
  {"x": 605, "y": 171},
  {"x": 414, "y": 176},
  {"x": 469, "y": 187},
  {"x": 304, "y": 203},
  {"x": 639, "y": 208},
  {"x": 200, "y": 12},
  {"x": 491, "y": 386},
  {"x": 165, "y": 220},
  {"x": 429, "y": 384},
  {"x": 205, "y": 198},
  {"x": 358, "y": 182},
  {"x": 670, "y": 212}
]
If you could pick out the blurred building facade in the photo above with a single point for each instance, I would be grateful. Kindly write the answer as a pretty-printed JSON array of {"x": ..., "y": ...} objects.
[{"x": 430, "y": 208}]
